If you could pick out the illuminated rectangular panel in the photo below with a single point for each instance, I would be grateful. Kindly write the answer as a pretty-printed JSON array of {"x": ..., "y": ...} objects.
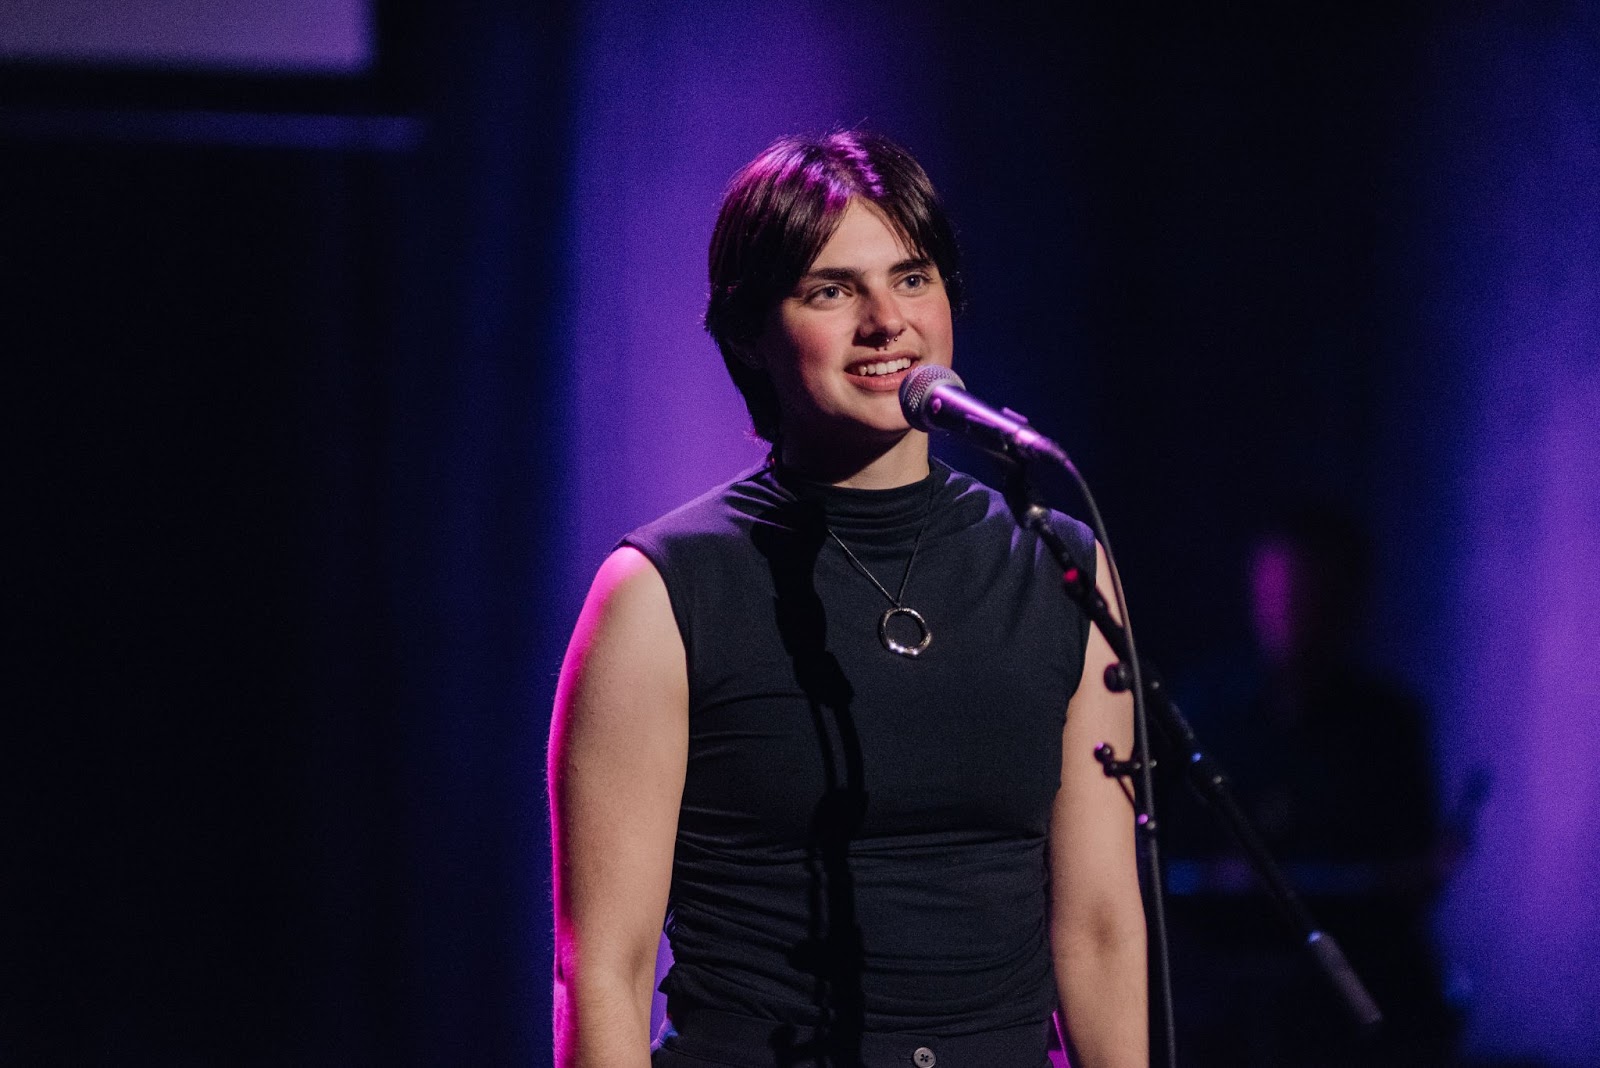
[{"x": 264, "y": 36}]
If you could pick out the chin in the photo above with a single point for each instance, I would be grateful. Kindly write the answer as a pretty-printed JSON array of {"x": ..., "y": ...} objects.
[{"x": 886, "y": 436}]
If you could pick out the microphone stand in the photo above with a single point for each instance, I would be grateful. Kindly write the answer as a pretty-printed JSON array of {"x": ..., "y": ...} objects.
[{"x": 1204, "y": 773}]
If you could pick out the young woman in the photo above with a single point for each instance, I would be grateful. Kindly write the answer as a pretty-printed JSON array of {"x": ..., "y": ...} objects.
[{"x": 835, "y": 720}]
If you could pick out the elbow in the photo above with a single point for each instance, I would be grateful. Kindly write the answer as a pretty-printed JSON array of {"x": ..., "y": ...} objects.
[
  {"x": 601, "y": 1010},
  {"x": 1111, "y": 930},
  {"x": 618, "y": 980}
]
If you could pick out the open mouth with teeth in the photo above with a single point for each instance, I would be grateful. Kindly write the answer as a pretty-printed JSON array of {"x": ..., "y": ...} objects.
[{"x": 881, "y": 368}]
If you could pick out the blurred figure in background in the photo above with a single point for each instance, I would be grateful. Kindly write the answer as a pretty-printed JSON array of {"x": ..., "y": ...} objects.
[{"x": 1329, "y": 761}]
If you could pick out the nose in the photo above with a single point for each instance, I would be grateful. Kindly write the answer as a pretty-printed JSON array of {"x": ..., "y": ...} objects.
[{"x": 881, "y": 319}]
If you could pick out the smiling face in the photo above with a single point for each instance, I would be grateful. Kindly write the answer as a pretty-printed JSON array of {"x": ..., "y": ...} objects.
[{"x": 837, "y": 347}]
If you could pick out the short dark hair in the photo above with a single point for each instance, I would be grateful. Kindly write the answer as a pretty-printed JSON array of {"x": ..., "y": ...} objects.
[{"x": 780, "y": 209}]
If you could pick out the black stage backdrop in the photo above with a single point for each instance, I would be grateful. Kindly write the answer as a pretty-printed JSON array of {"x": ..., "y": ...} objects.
[
  {"x": 284, "y": 656},
  {"x": 285, "y": 415}
]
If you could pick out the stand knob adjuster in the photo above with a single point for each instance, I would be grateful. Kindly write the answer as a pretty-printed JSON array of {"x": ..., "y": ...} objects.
[{"x": 1114, "y": 768}]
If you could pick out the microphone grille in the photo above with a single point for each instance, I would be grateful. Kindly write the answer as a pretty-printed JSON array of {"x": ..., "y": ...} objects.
[{"x": 919, "y": 386}]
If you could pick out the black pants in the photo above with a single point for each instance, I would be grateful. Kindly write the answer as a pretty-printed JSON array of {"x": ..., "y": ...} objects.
[{"x": 703, "y": 1038}]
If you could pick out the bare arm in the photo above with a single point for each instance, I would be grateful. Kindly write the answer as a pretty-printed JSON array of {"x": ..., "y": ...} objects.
[
  {"x": 618, "y": 750},
  {"x": 1096, "y": 916}
]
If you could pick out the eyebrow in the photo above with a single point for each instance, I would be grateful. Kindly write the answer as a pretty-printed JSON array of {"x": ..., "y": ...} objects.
[{"x": 850, "y": 274}]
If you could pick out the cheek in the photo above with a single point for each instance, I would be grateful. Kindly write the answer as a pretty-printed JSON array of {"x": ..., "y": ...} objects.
[
  {"x": 936, "y": 323},
  {"x": 804, "y": 351},
  {"x": 796, "y": 357}
]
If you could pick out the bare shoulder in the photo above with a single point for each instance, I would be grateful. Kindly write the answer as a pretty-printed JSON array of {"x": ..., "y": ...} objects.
[
  {"x": 627, "y": 585},
  {"x": 626, "y": 657},
  {"x": 627, "y": 615}
]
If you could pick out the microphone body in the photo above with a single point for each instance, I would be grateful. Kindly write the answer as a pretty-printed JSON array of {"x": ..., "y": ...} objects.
[{"x": 934, "y": 398}]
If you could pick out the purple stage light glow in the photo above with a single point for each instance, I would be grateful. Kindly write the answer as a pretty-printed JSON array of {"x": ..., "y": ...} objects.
[{"x": 1516, "y": 192}]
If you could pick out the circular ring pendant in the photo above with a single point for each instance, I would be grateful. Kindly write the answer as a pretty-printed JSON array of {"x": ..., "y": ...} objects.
[{"x": 900, "y": 648}]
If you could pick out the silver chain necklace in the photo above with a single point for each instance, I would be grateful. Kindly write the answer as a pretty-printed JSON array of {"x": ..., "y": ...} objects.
[{"x": 898, "y": 608}]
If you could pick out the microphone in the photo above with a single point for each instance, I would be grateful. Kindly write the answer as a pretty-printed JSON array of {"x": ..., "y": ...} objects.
[{"x": 935, "y": 398}]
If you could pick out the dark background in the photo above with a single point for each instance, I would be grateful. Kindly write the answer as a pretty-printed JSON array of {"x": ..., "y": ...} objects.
[{"x": 290, "y": 392}]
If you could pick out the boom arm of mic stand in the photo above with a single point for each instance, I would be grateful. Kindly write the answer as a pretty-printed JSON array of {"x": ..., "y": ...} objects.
[{"x": 1204, "y": 773}]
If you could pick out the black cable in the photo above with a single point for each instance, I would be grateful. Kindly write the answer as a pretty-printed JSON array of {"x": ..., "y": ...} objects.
[{"x": 1035, "y": 517}]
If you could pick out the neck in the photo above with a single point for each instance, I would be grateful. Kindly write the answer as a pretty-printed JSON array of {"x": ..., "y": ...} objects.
[{"x": 897, "y": 463}]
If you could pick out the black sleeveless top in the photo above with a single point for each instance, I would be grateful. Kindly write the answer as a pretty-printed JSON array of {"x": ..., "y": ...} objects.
[{"x": 862, "y": 841}]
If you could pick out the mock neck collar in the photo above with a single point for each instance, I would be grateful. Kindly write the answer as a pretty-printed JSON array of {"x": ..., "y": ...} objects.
[{"x": 867, "y": 516}]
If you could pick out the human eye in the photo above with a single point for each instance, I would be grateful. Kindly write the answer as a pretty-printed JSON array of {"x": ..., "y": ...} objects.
[
  {"x": 916, "y": 280},
  {"x": 827, "y": 293}
]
